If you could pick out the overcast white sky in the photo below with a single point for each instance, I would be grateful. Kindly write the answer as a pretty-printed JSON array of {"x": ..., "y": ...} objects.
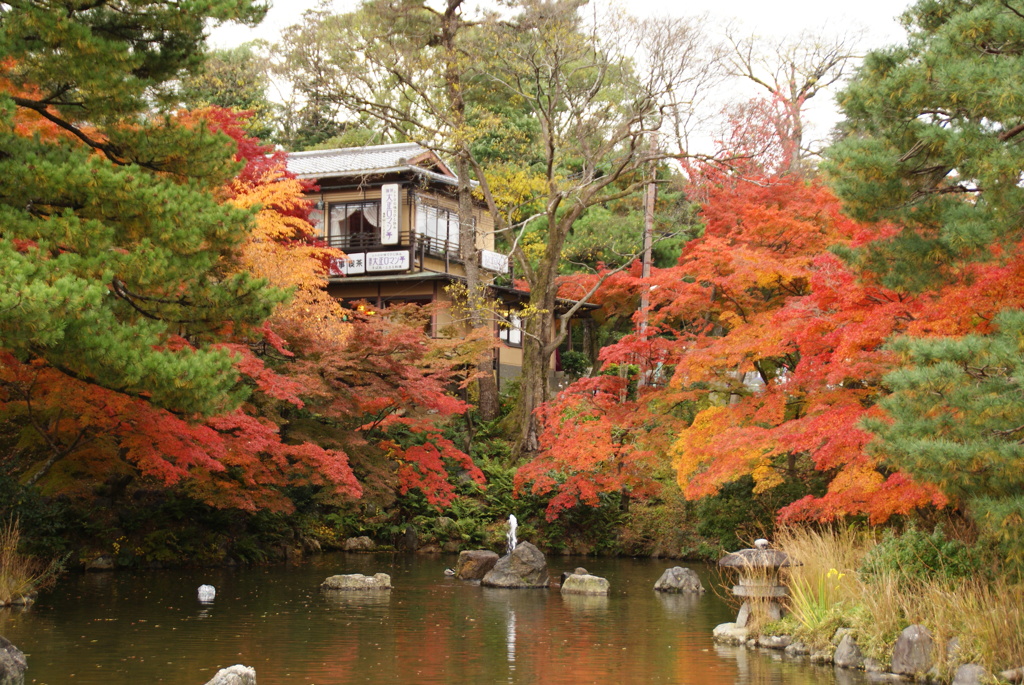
[
  {"x": 878, "y": 19},
  {"x": 782, "y": 17}
]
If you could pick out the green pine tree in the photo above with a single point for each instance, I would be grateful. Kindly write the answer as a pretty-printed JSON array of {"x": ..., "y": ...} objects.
[
  {"x": 932, "y": 138},
  {"x": 957, "y": 420},
  {"x": 115, "y": 255}
]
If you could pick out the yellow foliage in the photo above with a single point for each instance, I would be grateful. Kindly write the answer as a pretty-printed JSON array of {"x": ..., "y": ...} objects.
[
  {"x": 765, "y": 475},
  {"x": 280, "y": 250},
  {"x": 516, "y": 189}
]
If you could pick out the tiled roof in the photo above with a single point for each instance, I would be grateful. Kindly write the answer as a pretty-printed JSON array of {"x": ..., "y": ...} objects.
[{"x": 353, "y": 160}]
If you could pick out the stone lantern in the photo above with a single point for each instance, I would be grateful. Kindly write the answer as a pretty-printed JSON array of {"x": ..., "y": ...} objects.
[{"x": 759, "y": 584}]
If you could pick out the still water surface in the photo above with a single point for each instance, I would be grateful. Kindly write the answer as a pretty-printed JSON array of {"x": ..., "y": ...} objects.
[{"x": 121, "y": 629}]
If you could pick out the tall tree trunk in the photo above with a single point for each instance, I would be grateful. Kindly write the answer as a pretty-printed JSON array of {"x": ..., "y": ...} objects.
[
  {"x": 539, "y": 343},
  {"x": 487, "y": 387}
]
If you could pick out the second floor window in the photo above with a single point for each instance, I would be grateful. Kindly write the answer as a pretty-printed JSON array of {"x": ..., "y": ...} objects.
[
  {"x": 351, "y": 224},
  {"x": 439, "y": 227},
  {"x": 354, "y": 224}
]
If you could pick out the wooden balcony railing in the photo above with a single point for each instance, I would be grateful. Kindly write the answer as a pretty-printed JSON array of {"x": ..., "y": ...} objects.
[{"x": 421, "y": 245}]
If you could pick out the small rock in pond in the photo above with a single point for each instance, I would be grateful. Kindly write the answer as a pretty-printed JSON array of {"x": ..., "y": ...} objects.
[
  {"x": 524, "y": 567},
  {"x": 357, "y": 581},
  {"x": 12, "y": 663},
  {"x": 234, "y": 675},
  {"x": 474, "y": 564},
  {"x": 207, "y": 593},
  {"x": 679, "y": 579},
  {"x": 584, "y": 584}
]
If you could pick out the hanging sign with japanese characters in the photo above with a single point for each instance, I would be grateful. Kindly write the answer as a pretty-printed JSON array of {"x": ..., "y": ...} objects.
[
  {"x": 387, "y": 261},
  {"x": 348, "y": 265},
  {"x": 389, "y": 193}
]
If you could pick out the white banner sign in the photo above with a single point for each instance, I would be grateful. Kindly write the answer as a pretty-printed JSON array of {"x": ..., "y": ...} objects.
[
  {"x": 387, "y": 261},
  {"x": 494, "y": 261},
  {"x": 389, "y": 193},
  {"x": 348, "y": 265}
]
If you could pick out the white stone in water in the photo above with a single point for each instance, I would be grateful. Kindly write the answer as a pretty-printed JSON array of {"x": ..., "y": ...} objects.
[
  {"x": 512, "y": 524},
  {"x": 207, "y": 593}
]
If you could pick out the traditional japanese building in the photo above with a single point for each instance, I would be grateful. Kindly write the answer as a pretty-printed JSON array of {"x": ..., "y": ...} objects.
[{"x": 393, "y": 211}]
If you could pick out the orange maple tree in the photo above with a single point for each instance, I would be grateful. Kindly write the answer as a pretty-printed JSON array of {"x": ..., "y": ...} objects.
[{"x": 763, "y": 353}]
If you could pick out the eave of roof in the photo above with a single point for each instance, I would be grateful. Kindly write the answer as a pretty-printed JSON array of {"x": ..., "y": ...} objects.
[{"x": 432, "y": 175}]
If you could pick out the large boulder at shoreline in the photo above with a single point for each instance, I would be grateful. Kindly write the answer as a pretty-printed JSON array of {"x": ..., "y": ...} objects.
[
  {"x": 730, "y": 634},
  {"x": 848, "y": 653},
  {"x": 357, "y": 581},
  {"x": 585, "y": 584},
  {"x": 525, "y": 567},
  {"x": 12, "y": 663},
  {"x": 359, "y": 544},
  {"x": 474, "y": 564},
  {"x": 971, "y": 674},
  {"x": 913, "y": 653},
  {"x": 234, "y": 675},
  {"x": 679, "y": 579}
]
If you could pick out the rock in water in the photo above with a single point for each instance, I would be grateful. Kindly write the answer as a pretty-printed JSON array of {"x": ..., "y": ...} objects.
[
  {"x": 12, "y": 663},
  {"x": 913, "y": 653},
  {"x": 585, "y": 584},
  {"x": 679, "y": 579},
  {"x": 357, "y": 581},
  {"x": 848, "y": 653},
  {"x": 234, "y": 675},
  {"x": 207, "y": 593},
  {"x": 475, "y": 563},
  {"x": 525, "y": 567}
]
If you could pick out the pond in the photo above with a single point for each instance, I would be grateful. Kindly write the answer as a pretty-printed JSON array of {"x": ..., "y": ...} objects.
[{"x": 148, "y": 627}]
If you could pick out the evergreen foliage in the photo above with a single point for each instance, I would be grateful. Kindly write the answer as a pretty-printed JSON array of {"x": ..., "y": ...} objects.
[
  {"x": 113, "y": 262},
  {"x": 931, "y": 139},
  {"x": 955, "y": 419}
]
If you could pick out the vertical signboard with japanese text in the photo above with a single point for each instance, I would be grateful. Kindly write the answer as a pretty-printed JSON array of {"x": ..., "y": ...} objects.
[{"x": 389, "y": 194}]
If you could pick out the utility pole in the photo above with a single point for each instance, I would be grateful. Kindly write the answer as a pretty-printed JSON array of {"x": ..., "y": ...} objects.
[
  {"x": 650, "y": 196},
  {"x": 649, "y": 199}
]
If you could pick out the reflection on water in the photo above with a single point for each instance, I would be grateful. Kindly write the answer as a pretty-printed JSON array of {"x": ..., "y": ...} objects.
[
  {"x": 679, "y": 605},
  {"x": 510, "y": 640},
  {"x": 357, "y": 598},
  {"x": 586, "y": 602},
  {"x": 116, "y": 629}
]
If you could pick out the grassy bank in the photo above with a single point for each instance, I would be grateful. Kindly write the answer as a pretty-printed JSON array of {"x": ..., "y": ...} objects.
[{"x": 876, "y": 585}]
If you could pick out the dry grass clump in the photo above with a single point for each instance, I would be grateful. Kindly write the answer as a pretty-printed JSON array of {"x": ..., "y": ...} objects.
[
  {"x": 822, "y": 581},
  {"x": 21, "y": 576},
  {"x": 986, "y": 617}
]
